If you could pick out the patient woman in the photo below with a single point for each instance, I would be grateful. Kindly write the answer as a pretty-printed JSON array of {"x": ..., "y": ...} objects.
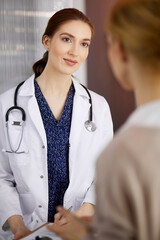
[{"x": 128, "y": 171}]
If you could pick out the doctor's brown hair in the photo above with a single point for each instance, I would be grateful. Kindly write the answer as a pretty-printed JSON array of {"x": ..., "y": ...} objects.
[
  {"x": 136, "y": 23},
  {"x": 58, "y": 19}
]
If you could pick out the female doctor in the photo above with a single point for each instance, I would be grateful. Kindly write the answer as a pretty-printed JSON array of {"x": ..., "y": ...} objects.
[{"x": 52, "y": 130}]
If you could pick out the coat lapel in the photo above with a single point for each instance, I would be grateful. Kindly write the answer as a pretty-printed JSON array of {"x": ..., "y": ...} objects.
[
  {"x": 80, "y": 114},
  {"x": 35, "y": 115},
  {"x": 27, "y": 90}
]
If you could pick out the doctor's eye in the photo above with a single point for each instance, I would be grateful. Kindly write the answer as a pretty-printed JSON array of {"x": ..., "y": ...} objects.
[
  {"x": 66, "y": 39},
  {"x": 85, "y": 44}
]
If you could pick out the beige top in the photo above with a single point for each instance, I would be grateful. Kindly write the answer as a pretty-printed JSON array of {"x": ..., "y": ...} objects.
[{"x": 128, "y": 180}]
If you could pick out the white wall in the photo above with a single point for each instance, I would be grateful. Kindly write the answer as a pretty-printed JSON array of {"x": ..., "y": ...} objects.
[{"x": 80, "y": 4}]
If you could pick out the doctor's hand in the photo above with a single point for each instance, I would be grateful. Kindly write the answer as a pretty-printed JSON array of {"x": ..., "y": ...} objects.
[
  {"x": 74, "y": 228},
  {"x": 21, "y": 232},
  {"x": 58, "y": 217},
  {"x": 85, "y": 212},
  {"x": 18, "y": 227}
]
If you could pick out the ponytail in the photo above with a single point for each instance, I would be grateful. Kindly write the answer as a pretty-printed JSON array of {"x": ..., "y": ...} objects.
[{"x": 39, "y": 66}]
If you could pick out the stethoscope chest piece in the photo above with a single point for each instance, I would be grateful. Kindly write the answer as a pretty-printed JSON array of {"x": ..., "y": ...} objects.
[{"x": 90, "y": 126}]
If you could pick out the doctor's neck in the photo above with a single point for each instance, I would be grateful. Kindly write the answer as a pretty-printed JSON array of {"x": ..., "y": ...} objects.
[{"x": 53, "y": 81}]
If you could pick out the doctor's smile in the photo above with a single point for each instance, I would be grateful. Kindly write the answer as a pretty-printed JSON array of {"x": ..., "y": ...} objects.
[{"x": 70, "y": 62}]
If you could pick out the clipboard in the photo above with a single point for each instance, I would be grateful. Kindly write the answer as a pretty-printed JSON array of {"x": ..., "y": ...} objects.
[{"x": 41, "y": 232}]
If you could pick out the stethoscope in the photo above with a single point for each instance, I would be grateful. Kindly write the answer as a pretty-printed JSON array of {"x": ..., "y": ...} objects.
[
  {"x": 15, "y": 123},
  {"x": 89, "y": 124}
]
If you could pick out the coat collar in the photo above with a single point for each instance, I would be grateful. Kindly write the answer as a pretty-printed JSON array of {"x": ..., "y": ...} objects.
[
  {"x": 27, "y": 88},
  {"x": 79, "y": 89}
]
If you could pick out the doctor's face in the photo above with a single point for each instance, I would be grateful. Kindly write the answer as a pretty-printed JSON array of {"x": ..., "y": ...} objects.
[{"x": 69, "y": 46}]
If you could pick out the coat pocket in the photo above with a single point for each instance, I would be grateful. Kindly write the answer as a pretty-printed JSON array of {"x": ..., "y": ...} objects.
[
  {"x": 35, "y": 222},
  {"x": 17, "y": 137}
]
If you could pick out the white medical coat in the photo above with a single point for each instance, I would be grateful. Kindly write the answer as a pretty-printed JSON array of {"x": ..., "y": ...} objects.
[{"x": 24, "y": 177}]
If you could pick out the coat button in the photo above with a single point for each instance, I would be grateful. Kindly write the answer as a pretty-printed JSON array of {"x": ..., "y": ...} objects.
[
  {"x": 43, "y": 146},
  {"x": 41, "y": 176},
  {"x": 40, "y": 206}
]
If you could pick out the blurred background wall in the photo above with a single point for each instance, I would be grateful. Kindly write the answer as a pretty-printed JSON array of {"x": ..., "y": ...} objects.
[
  {"x": 22, "y": 23},
  {"x": 100, "y": 77}
]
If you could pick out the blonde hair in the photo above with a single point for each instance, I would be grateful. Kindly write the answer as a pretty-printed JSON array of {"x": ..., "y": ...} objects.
[{"x": 137, "y": 24}]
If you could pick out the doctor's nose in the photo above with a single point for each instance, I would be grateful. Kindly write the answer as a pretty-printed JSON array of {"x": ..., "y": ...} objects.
[{"x": 74, "y": 50}]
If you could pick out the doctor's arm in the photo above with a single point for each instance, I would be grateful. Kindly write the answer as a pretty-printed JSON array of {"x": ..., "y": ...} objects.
[
  {"x": 88, "y": 206},
  {"x": 10, "y": 210},
  {"x": 86, "y": 211}
]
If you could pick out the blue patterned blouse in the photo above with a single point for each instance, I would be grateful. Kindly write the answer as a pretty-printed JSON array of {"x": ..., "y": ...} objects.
[{"x": 57, "y": 133}]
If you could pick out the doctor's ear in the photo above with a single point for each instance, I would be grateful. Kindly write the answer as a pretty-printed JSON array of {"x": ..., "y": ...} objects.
[{"x": 46, "y": 42}]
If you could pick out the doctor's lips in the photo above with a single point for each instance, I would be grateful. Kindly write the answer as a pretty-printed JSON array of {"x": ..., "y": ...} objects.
[{"x": 70, "y": 62}]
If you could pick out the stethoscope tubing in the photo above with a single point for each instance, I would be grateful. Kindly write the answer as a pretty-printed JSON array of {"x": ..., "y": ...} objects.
[
  {"x": 90, "y": 101},
  {"x": 89, "y": 124}
]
